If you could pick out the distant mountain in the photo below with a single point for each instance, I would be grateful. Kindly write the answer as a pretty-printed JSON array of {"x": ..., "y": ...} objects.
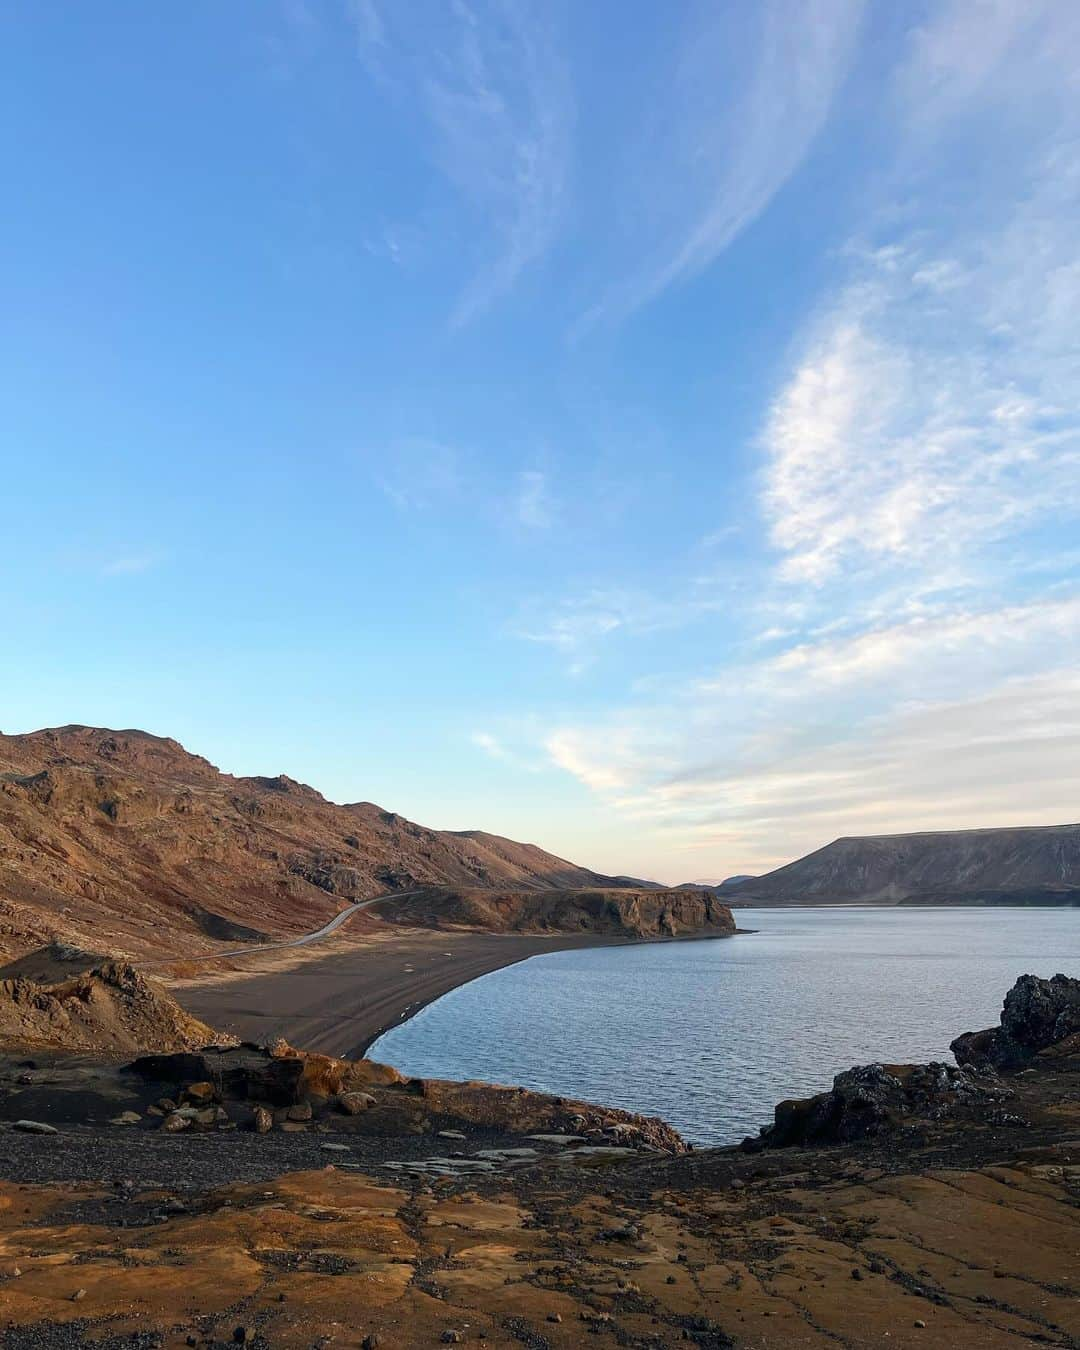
[
  {"x": 716, "y": 887},
  {"x": 1032, "y": 865},
  {"x": 124, "y": 840}
]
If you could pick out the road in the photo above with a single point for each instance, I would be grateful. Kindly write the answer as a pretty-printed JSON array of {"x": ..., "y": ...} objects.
[{"x": 319, "y": 933}]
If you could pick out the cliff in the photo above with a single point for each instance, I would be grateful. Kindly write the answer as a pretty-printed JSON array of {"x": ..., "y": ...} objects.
[
  {"x": 126, "y": 841},
  {"x": 605, "y": 911},
  {"x": 1038, "y": 865}
]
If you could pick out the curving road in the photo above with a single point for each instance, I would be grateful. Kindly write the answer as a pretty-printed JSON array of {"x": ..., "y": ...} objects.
[{"x": 319, "y": 933}]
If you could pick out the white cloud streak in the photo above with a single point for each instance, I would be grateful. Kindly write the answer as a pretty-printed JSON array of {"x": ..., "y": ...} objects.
[
  {"x": 731, "y": 135},
  {"x": 498, "y": 112}
]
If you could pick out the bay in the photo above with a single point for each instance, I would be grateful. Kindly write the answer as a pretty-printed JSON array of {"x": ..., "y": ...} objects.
[{"x": 711, "y": 1034}]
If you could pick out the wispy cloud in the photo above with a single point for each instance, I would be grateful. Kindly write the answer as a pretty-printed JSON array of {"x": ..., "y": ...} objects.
[
  {"x": 420, "y": 475},
  {"x": 131, "y": 565},
  {"x": 731, "y": 134},
  {"x": 908, "y": 728},
  {"x": 497, "y": 106},
  {"x": 576, "y": 625},
  {"x": 495, "y": 748},
  {"x": 920, "y": 474},
  {"x": 534, "y": 505},
  {"x": 936, "y": 408}
]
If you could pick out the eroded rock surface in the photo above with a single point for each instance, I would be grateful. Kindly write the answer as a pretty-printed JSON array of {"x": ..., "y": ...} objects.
[{"x": 109, "y": 1009}]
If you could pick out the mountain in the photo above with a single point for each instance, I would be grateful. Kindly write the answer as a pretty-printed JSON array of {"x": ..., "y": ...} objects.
[
  {"x": 1031, "y": 865},
  {"x": 124, "y": 841},
  {"x": 715, "y": 887}
]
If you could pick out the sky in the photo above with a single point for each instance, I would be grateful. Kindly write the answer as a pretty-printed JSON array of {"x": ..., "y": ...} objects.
[{"x": 649, "y": 431}]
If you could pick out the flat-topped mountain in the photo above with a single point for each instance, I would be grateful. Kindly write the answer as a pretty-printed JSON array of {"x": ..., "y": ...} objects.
[
  {"x": 1031, "y": 865},
  {"x": 120, "y": 840}
]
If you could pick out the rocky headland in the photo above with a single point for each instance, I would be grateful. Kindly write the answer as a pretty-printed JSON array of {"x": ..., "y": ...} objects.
[
  {"x": 269, "y": 1197},
  {"x": 604, "y": 911}
]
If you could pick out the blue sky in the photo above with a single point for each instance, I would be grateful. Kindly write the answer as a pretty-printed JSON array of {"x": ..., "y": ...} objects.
[{"x": 649, "y": 431}]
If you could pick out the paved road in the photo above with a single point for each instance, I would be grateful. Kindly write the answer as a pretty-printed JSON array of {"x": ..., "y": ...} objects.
[{"x": 319, "y": 933}]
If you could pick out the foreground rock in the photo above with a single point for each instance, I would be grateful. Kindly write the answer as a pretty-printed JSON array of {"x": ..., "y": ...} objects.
[
  {"x": 1038, "y": 1017},
  {"x": 968, "y": 1242},
  {"x": 941, "y": 1208},
  {"x": 109, "y": 1009},
  {"x": 364, "y": 1097},
  {"x": 881, "y": 1099}
]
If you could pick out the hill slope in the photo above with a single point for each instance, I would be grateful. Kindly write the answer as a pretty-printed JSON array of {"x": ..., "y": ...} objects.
[
  {"x": 1028, "y": 866},
  {"x": 119, "y": 840}
]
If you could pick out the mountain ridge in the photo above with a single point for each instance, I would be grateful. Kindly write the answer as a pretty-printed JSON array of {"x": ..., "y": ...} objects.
[
  {"x": 127, "y": 841},
  {"x": 1021, "y": 864}
]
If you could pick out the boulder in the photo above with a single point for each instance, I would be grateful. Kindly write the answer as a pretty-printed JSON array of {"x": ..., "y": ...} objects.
[
  {"x": 241, "y": 1073},
  {"x": 1037, "y": 1016},
  {"x": 262, "y": 1120},
  {"x": 352, "y": 1103}
]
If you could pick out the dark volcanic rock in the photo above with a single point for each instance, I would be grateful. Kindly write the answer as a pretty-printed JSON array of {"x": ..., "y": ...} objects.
[
  {"x": 1037, "y": 1015},
  {"x": 877, "y": 1099},
  {"x": 240, "y": 1073}
]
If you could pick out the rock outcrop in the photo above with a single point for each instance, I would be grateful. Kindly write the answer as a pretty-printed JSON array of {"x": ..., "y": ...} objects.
[
  {"x": 1038, "y": 1017},
  {"x": 365, "y": 1097},
  {"x": 612, "y": 912},
  {"x": 878, "y": 1099},
  {"x": 123, "y": 841},
  {"x": 112, "y": 1009}
]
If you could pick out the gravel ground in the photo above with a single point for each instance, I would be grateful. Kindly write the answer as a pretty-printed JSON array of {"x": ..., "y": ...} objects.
[{"x": 182, "y": 1162}]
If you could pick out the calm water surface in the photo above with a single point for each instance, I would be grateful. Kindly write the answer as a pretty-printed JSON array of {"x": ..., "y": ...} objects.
[{"x": 711, "y": 1034}]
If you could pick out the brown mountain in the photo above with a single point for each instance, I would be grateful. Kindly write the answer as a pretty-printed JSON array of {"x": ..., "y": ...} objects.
[
  {"x": 119, "y": 840},
  {"x": 1032, "y": 865}
]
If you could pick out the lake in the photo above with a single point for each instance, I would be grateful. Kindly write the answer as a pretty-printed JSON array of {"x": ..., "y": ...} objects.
[{"x": 711, "y": 1034}]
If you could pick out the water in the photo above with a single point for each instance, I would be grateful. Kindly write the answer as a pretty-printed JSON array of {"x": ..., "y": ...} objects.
[{"x": 710, "y": 1035}]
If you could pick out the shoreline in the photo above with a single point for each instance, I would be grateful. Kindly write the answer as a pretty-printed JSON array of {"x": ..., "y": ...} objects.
[{"x": 341, "y": 1003}]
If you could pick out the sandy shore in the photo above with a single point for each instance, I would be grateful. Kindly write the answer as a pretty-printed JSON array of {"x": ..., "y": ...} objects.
[{"x": 341, "y": 1003}]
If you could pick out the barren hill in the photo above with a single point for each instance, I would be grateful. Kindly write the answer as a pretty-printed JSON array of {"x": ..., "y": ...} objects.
[
  {"x": 120, "y": 840},
  {"x": 1035, "y": 865}
]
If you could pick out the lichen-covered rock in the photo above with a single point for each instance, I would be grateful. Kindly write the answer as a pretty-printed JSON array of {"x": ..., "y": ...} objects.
[
  {"x": 1037, "y": 1016},
  {"x": 877, "y": 1099}
]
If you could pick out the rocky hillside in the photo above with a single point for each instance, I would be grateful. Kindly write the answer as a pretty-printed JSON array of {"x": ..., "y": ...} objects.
[
  {"x": 119, "y": 840},
  {"x": 617, "y": 913},
  {"x": 1025, "y": 866}
]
